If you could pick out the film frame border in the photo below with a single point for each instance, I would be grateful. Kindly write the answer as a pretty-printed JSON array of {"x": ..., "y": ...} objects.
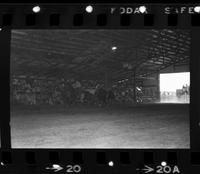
[
  {"x": 74, "y": 17},
  {"x": 109, "y": 16}
]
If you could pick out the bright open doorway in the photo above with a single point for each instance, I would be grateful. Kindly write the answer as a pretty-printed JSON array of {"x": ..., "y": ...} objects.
[{"x": 175, "y": 87}]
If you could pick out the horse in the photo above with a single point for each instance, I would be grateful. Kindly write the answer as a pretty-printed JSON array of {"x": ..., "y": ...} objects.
[
  {"x": 101, "y": 95},
  {"x": 110, "y": 96},
  {"x": 69, "y": 94}
]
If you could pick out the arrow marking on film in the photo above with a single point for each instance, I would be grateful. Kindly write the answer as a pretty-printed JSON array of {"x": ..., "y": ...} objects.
[
  {"x": 56, "y": 168},
  {"x": 148, "y": 169}
]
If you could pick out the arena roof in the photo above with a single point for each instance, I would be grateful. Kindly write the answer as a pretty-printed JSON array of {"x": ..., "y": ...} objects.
[{"x": 91, "y": 53}]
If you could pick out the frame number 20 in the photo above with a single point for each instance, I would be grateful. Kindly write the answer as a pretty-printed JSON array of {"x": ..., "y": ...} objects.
[{"x": 73, "y": 168}]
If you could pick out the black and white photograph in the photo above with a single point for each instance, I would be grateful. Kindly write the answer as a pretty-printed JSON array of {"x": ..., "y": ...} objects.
[{"x": 102, "y": 88}]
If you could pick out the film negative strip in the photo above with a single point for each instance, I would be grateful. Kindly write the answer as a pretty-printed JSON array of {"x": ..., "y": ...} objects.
[{"x": 100, "y": 88}]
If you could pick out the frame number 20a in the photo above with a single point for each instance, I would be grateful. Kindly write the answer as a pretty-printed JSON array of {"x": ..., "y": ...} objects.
[{"x": 167, "y": 169}]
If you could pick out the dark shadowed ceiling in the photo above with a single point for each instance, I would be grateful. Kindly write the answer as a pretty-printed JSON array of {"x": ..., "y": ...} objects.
[{"x": 88, "y": 53}]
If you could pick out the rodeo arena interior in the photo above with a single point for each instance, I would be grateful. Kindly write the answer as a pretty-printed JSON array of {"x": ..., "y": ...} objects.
[{"x": 100, "y": 88}]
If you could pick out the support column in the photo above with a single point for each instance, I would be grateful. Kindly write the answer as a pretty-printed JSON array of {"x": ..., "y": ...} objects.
[
  {"x": 158, "y": 85},
  {"x": 107, "y": 80},
  {"x": 134, "y": 86},
  {"x": 5, "y": 37}
]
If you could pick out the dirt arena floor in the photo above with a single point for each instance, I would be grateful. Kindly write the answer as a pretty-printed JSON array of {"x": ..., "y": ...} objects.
[{"x": 143, "y": 126}]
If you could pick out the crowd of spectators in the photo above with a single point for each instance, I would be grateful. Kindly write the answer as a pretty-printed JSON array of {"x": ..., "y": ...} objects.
[
  {"x": 34, "y": 92},
  {"x": 51, "y": 92},
  {"x": 43, "y": 91}
]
